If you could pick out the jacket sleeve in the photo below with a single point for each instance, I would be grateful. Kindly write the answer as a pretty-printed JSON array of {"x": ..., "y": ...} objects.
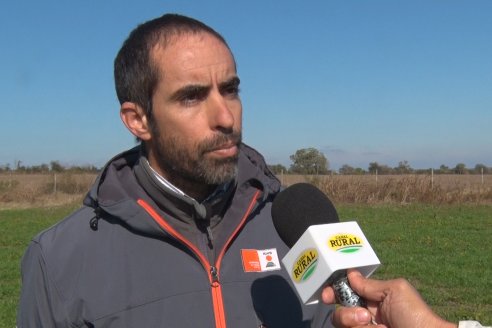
[{"x": 40, "y": 304}]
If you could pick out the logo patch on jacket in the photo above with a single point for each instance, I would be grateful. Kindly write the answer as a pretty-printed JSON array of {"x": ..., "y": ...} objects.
[{"x": 255, "y": 260}]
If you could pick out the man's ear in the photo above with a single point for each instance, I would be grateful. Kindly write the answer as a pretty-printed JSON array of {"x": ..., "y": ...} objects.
[{"x": 135, "y": 120}]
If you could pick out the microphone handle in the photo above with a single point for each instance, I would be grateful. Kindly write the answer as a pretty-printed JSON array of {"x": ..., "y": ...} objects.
[{"x": 345, "y": 294}]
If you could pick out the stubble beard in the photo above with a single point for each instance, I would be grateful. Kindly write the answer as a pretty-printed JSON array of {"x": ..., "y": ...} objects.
[{"x": 185, "y": 167}]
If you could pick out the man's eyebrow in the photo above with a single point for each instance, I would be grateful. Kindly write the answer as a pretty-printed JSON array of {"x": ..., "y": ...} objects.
[
  {"x": 189, "y": 90},
  {"x": 232, "y": 82}
]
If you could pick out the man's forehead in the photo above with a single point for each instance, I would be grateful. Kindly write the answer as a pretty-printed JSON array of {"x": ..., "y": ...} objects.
[{"x": 192, "y": 51}]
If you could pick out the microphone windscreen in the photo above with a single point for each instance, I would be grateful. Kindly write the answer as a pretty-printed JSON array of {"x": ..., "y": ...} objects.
[{"x": 298, "y": 207}]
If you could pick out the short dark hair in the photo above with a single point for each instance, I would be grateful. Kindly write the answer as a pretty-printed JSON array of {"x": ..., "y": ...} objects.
[{"x": 135, "y": 73}]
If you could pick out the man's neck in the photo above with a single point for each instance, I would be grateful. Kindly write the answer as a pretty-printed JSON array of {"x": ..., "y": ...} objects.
[{"x": 197, "y": 191}]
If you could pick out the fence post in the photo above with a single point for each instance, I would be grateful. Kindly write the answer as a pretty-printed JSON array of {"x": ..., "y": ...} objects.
[
  {"x": 54, "y": 183},
  {"x": 482, "y": 176},
  {"x": 432, "y": 178}
]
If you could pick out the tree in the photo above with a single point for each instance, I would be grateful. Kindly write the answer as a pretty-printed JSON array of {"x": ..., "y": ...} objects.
[
  {"x": 349, "y": 170},
  {"x": 443, "y": 169},
  {"x": 359, "y": 171},
  {"x": 43, "y": 168},
  {"x": 277, "y": 169},
  {"x": 460, "y": 168},
  {"x": 403, "y": 168},
  {"x": 56, "y": 166},
  {"x": 346, "y": 170},
  {"x": 5, "y": 168},
  {"x": 375, "y": 167},
  {"x": 309, "y": 161},
  {"x": 479, "y": 168}
]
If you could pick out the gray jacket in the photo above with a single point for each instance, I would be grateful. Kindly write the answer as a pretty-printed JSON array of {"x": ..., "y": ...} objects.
[{"x": 126, "y": 259}]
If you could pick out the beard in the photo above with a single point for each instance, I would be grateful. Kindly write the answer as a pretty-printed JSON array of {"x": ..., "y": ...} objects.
[{"x": 185, "y": 164}]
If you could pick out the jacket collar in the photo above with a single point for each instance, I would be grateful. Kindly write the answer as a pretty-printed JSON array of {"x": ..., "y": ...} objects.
[{"x": 119, "y": 186}]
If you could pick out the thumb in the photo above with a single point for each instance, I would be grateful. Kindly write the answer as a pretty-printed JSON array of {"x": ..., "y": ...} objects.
[{"x": 371, "y": 290}]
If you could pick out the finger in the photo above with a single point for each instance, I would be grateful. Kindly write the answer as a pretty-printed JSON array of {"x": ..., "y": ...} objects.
[
  {"x": 328, "y": 296},
  {"x": 351, "y": 317}
]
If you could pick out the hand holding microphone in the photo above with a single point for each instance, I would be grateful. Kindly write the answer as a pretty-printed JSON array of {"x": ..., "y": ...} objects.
[
  {"x": 322, "y": 248},
  {"x": 394, "y": 303}
]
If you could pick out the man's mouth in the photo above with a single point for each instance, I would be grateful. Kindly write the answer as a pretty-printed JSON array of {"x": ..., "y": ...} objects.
[
  {"x": 223, "y": 146},
  {"x": 226, "y": 150}
]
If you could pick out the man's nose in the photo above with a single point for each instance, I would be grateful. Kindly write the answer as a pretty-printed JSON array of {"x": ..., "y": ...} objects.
[{"x": 221, "y": 116}]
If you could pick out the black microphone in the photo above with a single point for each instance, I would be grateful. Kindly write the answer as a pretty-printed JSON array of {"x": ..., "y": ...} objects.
[{"x": 322, "y": 248}]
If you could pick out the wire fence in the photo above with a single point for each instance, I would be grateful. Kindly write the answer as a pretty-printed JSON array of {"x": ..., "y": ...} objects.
[
  {"x": 59, "y": 188},
  {"x": 404, "y": 188}
]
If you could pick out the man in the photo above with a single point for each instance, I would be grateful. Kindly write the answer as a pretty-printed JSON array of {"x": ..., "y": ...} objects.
[{"x": 173, "y": 232}]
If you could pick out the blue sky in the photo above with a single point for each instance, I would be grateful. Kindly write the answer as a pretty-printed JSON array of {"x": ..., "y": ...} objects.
[{"x": 362, "y": 81}]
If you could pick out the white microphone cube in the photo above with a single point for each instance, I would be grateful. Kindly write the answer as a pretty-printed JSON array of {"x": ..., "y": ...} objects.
[{"x": 324, "y": 250}]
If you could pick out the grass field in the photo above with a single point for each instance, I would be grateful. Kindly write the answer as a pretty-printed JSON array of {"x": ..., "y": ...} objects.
[
  {"x": 17, "y": 228},
  {"x": 445, "y": 251}
]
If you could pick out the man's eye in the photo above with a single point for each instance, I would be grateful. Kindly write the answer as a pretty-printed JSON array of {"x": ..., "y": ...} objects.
[
  {"x": 189, "y": 100},
  {"x": 230, "y": 88},
  {"x": 193, "y": 97},
  {"x": 232, "y": 91}
]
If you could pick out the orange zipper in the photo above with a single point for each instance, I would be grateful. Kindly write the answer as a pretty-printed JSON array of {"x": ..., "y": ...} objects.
[{"x": 212, "y": 271}]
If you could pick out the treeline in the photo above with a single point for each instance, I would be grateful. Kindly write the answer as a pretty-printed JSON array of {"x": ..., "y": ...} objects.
[
  {"x": 310, "y": 161},
  {"x": 405, "y": 168},
  {"x": 381, "y": 169},
  {"x": 52, "y": 167}
]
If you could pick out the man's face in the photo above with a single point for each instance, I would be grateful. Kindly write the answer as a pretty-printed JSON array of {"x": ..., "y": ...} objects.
[{"x": 196, "y": 111}]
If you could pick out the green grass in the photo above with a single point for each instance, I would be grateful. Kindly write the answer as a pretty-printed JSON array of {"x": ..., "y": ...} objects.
[
  {"x": 17, "y": 228},
  {"x": 446, "y": 252}
]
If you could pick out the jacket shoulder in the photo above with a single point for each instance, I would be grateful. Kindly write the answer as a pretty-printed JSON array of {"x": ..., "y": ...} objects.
[{"x": 71, "y": 226}]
